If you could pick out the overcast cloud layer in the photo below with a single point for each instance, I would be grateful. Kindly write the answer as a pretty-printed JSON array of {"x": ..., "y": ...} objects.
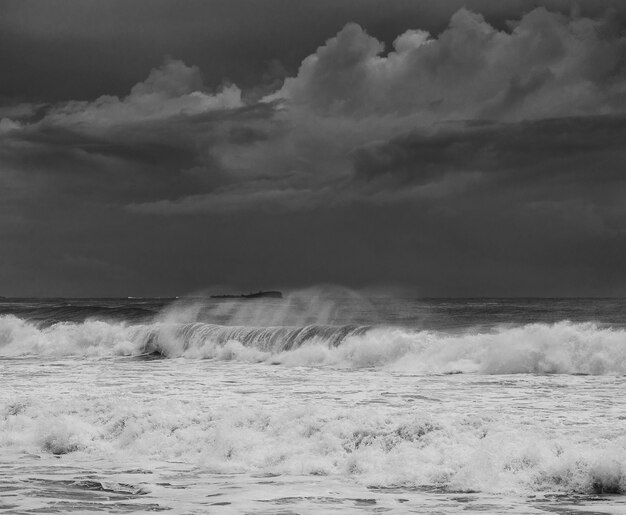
[{"x": 483, "y": 155}]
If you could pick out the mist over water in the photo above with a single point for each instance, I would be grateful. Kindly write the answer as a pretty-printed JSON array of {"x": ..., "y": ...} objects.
[{"x": 326, "y": 399}]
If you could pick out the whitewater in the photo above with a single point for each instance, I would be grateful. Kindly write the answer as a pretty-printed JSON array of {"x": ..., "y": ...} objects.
[{"x": 320, "y": 402}]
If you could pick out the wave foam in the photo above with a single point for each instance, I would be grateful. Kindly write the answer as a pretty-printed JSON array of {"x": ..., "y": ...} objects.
[{"x": 456, "y": 453}]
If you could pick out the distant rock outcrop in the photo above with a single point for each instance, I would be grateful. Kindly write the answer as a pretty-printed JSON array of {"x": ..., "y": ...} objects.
[{"x": 272, "y": 294}]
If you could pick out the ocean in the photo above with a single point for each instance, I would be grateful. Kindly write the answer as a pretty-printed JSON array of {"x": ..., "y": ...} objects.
[{"x": 325, "y": 401}]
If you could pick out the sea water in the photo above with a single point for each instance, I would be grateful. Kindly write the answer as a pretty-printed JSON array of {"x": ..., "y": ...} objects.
[{"x": 321, "y": 402}]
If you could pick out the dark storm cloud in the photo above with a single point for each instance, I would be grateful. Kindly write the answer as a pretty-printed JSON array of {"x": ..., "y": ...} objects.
[
  {"x": 565, "y": 147},
  {"x": 155, "y": 142},
  {"x": 454, "y": 150},
  {"x": 347, "y": 96},
  {"x": 565, "y": 171}
]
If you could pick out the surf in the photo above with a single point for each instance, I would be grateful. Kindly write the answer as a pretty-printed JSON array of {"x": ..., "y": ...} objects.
[{"x": 558, "y": 348}]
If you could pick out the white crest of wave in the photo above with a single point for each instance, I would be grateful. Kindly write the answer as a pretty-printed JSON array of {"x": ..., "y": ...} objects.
[
  {"x": 564, "y": 347},
  {"x": 561, "y": 348}
]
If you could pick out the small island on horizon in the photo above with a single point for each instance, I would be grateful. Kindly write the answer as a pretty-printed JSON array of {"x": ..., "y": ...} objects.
[{"x": 269, "y": 294}]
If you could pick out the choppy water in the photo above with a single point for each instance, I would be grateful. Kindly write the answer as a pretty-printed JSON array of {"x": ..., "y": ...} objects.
[{"x": 318, "y": 403}]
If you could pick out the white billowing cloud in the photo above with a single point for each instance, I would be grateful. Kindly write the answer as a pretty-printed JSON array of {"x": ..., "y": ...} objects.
[
  {"x": 547, "y": 65},
  {"x": 171, "y": 90}
]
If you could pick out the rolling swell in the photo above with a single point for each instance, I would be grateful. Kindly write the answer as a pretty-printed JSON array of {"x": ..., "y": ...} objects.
[
  {"x": 52, "y": 311},
  {"x": 55, "y": 314}
]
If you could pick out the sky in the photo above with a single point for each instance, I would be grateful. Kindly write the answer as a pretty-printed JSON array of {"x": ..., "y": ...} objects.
[{"x": 447, "y": 148}]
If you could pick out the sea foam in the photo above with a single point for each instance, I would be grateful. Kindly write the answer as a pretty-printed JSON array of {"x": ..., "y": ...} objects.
[{"x": 455, "y": 453}]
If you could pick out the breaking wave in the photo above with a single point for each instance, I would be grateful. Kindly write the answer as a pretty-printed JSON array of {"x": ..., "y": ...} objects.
[
  {"x": 563, "y": 347},
  {"x": 449, "y": 452}
]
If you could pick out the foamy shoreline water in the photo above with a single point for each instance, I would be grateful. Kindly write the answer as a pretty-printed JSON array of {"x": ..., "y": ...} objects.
[{"x": 200, "y": 424}]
